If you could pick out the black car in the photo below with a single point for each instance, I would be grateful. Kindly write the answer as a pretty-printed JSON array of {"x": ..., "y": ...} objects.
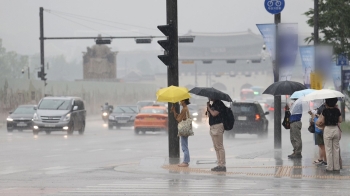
[
  {"x": 122, "y": 116},
  {"x": 21, "y": 118},
  {"x": 66, "y": 114},
  {"x": 249, "y": 119}
]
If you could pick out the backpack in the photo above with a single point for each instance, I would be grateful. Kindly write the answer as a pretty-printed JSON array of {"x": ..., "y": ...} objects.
[{"x": 228, "y": 119}]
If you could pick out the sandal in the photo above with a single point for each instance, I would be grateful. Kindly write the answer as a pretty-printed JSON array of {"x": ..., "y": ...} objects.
[
  {"x": 183, "y": 165},
  {"x": 318, "y": 161}
]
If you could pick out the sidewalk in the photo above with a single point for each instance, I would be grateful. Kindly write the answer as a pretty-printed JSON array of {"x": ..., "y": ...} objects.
[{"x": 271, "y": 164}]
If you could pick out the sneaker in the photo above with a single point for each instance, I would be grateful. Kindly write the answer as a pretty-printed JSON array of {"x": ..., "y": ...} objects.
[
  {"x": 295, "y": 156},
  {"x": 219, "y": 169},
  {"x": 323, "y": 164}
]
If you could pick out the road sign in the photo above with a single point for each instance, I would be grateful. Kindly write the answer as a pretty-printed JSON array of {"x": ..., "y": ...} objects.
[
  {"x": 274, "y": 6},
  {"x": 342, "y": 60}
]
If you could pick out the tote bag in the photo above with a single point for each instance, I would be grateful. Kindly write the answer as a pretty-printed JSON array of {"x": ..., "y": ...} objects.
[{"x": 185, "y": 127}]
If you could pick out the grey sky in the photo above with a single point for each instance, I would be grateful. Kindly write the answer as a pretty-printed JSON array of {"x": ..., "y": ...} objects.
[{"x": 19, "y": 21}]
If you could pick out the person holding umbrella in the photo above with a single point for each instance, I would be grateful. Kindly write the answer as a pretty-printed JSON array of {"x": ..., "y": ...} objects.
[
  {"x": 184, "y": 114},
  {"x": 215, "y": 111},
  {"x": 295, "y": 134},
  {"x": 330, "y": 118}
]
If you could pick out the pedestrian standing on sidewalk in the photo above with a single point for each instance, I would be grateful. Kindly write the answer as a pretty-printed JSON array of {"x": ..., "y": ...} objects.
[
  {"x": 184, "y": 139},
  {"x": 215, "y": 111},
  {"x": 331, "y": 118},
  {"x": 295, "y": 135},
  {"x": 322, "y": 160}
]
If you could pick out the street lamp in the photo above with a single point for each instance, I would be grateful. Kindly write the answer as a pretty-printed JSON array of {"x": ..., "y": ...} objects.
[{"x": 28, "y": 69}]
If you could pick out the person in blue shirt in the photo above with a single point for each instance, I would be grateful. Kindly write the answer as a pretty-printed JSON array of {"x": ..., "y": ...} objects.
[{"x": 295, "y": 135}]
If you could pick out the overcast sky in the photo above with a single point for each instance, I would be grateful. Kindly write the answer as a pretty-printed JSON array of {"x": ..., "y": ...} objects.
[{"x": 19, "y": 21}]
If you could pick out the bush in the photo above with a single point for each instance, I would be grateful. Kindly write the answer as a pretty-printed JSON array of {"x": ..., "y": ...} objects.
[{"x": 345, "y": 127}]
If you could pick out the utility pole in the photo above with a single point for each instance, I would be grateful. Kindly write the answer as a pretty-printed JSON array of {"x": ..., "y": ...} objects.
[
  {"x": 171, "y": 60},
  {"x": 277, "y": 99},
  {"x": 195, "y": 74},
  {"x": 173, "y": 77},
  {"x": 42, "y": 58}
]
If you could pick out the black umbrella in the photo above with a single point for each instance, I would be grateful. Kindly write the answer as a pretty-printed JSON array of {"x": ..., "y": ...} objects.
[
  {"x": 284, "y": 88},
  {"x": 211, "y": 93}
]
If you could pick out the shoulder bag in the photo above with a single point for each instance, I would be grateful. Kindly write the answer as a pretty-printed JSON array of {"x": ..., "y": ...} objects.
[{"x": 185, "y": 127}]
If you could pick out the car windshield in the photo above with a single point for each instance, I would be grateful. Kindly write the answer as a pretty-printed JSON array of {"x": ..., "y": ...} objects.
[
  {"x": 125, "y": 109},
  {"x": 55, "y": 104},
  {"x": 244, "y": 108},
  {"x": 145, "y": 103},
  {"x": 24, "y": 110},
  {"x": 152, "y": 111}
]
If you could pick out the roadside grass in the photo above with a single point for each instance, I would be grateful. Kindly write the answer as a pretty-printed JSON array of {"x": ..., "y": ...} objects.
[{"x": 345, "y": 127}]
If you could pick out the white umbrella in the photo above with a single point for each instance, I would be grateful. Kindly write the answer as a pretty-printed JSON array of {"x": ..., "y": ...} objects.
[
  {"x": 300, "y": 106},
  {"x": 323, "y": 94}
]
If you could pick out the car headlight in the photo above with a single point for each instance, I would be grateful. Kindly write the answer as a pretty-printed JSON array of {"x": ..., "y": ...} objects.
[
  {"x": 35, "y": 117},
  {"x": 195, "y": 114},
  {"x": 111, "y": 117},
  {"x": 104, "y": 114},
  {"x": 9, "y": 119},
  {"x": 67, "y": 117}
]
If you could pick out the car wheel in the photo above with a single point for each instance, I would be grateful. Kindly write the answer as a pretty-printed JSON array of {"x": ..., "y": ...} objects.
[
  {"x": 82, "y": 129},
  {"x": 48, "y": 132},
  {"x": 136, "y": 131},
  {"x": 144, "y": 132},
  {"x": 20, "y": 130},
  {"x": 110, "y": 127},
  {"x": 35, "y": 132},
  {"x": 70, "y": 130},
  {"x": 117, "y": 127},
  {"x": 10, "y": 130}
]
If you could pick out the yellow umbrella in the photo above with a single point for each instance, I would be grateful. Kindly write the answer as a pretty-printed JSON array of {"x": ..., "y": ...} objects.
[{"x": 172, "y": 94}]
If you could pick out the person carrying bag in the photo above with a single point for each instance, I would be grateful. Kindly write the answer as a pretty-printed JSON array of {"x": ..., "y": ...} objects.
[{"x": 184, "y": 130}]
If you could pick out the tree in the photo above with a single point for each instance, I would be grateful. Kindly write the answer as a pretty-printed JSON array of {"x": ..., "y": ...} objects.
[
  {"x": 11, "y": 63},
  {"x": 334, "y": 24}
]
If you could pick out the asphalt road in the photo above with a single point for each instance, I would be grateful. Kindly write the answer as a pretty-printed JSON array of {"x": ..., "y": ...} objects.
[{"x": 58, "y": 164}]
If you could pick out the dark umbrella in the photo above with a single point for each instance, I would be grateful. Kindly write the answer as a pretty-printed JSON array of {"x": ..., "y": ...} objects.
[
  {"x": 284, "y": 88},
  {"x": 211, "y": 93}
]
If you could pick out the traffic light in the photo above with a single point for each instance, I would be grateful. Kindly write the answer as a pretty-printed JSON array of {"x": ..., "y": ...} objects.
[
  {"x": 169, "y": 31},
  {"x": 42, "y": 74}
]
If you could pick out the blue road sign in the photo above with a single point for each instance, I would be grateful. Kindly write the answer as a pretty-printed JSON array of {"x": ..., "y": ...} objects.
[
  {"x": 274, "y": 6},
  {"x": 342, "y": 60}
]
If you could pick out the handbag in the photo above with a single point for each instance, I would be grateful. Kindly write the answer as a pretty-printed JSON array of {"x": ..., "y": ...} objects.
[
  {"x": 320, "y": 122},
  {"x": 185, "y": 127},
  {"x": 311, "y": 128},
  {"x": 286, "y": 120}
]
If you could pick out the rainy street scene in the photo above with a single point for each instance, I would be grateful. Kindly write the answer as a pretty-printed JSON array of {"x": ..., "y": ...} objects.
[{"x": 174, "y": 97}]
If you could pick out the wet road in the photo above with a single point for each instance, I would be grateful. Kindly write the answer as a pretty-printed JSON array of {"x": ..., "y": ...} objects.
[{"x": 113, "y": 162}]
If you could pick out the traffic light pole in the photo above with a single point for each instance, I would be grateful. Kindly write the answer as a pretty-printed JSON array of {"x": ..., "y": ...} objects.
[
  {"x": 42, "y": 59},
  {"x": 173, "y": 77},
  {"x": 277, "y": 99}
]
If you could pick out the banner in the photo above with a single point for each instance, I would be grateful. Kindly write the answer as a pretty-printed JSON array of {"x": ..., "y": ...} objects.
[
  {"x": 287, "y": 49},
  {"x": 307, "y": 60},
  {"x": 336, "y": 75},
  {"x": 268, "y": 32},
  {"x": 324, "y": 60},
  {"x": 346, "y": 79}
]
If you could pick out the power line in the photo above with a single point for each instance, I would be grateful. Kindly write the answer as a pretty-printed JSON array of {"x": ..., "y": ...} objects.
[
  {"x": 100, "y": 23},
  {"x": 101, "y": 19},
  {"x": 81, "y": 24}
]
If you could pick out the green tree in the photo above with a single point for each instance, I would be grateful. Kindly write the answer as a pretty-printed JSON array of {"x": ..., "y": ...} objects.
[
  {"x": 334, "y": 24},
  {"x": 11, "y": 63}
]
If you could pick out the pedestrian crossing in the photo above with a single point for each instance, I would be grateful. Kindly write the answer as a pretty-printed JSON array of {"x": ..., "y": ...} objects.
[{"x": 210, "y": 187}]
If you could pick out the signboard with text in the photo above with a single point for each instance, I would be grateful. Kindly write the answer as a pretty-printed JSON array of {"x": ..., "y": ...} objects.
[{"x": 274, "y": 6}]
